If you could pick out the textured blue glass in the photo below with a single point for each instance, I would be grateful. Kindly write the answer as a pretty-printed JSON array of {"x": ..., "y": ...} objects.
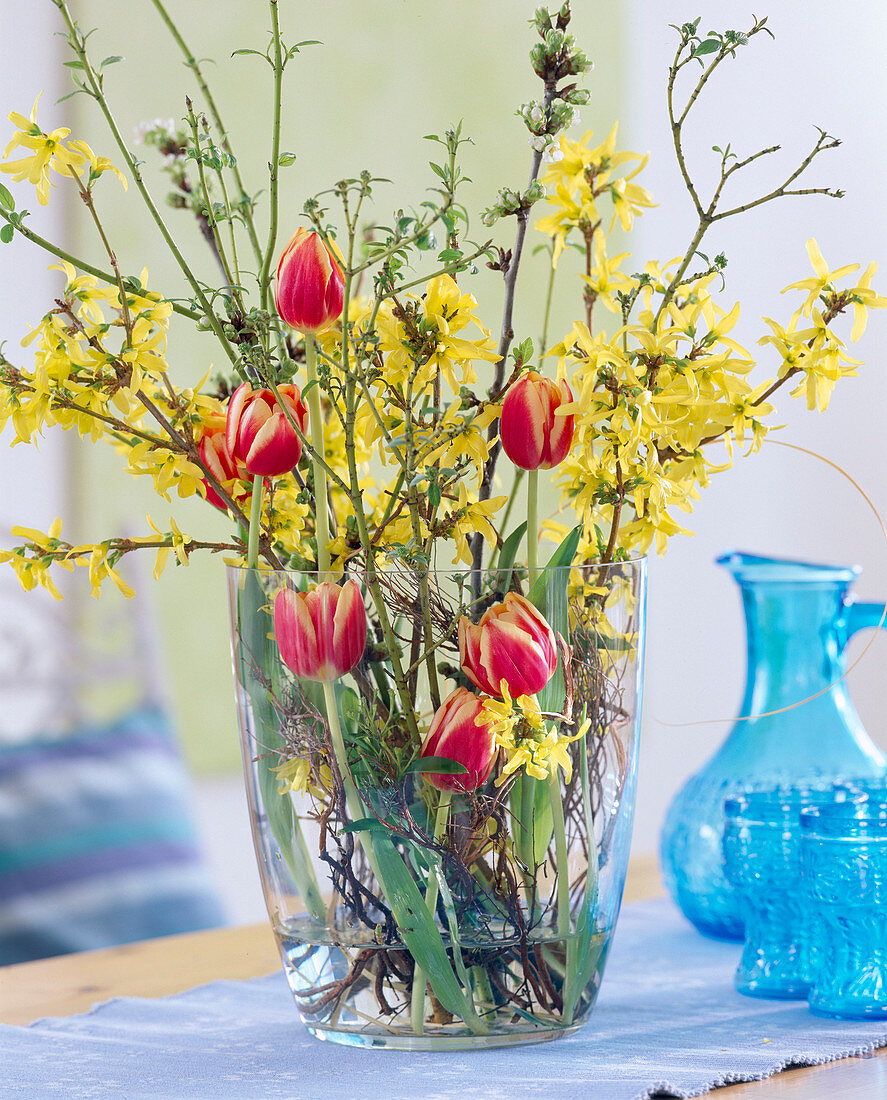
[
  {"x": 762, "y": 862},
  {"x": 844, "y": 858},
  {"x": 798, "y": 619}
]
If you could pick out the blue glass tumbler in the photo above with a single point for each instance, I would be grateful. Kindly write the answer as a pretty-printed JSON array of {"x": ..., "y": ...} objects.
[
  {"x": 844, "y": 859},
  {"x": 762, "y": 862}
]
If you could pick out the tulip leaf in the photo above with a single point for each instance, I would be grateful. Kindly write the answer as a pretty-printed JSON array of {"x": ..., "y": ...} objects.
[
  {"x": 509, "y": 552},
  {"x": 530, "y": 800},
  {"x": 439, "y": 765},
  {"x": 363, "y": 825},
  {"x": 418, "y": 929},
  {"x": 561, "y": 557},
  {"x": 533, "y": 823},
  {"x": 582, "y": 952},
  {"x": 549, "y": 595},
  {"x": 255, "y": 652}
]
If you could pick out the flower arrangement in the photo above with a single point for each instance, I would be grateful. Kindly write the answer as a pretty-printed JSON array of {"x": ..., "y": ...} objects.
[{"x": 460, "y": 742}]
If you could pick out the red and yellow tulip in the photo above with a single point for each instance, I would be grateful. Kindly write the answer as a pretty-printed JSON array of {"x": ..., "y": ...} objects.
[
  {"x": 532, "y": 435},
  {"x": 321, "y": 634},
  {"x": 512, "y": 643},
  {"x": 230, "y": 474},
  {"x": 460, "y": 730},
  {"x": 258, "y": 433},
  {"x": 310, "y": 289}
]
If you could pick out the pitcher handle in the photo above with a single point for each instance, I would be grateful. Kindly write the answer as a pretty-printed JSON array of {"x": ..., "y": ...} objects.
[{"x": 862, "y": 616}]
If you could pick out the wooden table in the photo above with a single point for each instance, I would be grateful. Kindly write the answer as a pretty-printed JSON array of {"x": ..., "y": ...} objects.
[{"x": 156, "y": 968}]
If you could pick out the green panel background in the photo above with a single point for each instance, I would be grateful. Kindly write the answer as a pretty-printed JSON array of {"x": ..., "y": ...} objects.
[{"x": 388, "y": 72}]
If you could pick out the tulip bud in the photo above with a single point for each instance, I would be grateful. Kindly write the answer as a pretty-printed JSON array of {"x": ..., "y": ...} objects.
[
  {"x": 321, "y": 634},
  {"x": 310, "y": 290},
  {"x": 455, "y": 734},
  {"x": 512, "y": 642},
  {"x": 532, "y": 436},
  {"x": 214, "y": 453},
  {"x": 258, "y": 433}
]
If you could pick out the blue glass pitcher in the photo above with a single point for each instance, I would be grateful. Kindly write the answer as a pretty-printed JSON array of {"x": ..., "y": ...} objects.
[{"x": 798, "y": 618}]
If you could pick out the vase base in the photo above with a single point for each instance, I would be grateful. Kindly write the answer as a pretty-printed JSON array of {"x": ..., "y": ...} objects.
[{"x": 439, "y": 1043}]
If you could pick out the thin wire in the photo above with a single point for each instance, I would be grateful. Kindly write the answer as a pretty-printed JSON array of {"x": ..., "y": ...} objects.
[{"x": 866, "y": 648}]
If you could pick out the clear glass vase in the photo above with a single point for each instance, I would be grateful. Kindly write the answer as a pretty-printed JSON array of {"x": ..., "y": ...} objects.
[
  {"x": 799, "y": 618},
  {"x": 412, "y": 919}
]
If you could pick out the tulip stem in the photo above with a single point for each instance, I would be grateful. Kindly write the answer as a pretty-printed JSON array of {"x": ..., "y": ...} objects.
[
  {"x": 255, "y": 522},
  {"x": 321, "y": 504},
  {"x": 560, "y": 847},
  {"x": 417, "y": 1000},
  {"x": 352, "y": 796},
  {"x": 533, "y": 524}
]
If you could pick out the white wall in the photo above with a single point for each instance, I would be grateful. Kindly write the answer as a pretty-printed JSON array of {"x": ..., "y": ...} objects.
[
  {"x": 34, "y": 488},
  {"x": 828, "y": 72},
  {"x": 26, "y": 284}
]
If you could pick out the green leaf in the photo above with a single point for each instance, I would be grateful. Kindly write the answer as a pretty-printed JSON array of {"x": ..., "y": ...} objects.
[
  {"x": 563, "y": 556},
  {"x": 286, "y": 159},
  {"x": 363, "y": 825},
  {"x": 418, "y": 928},
  {"x": 440, "y": 765},
  {"x": 6, "y": 199},
  {"x": 582, "y": 954},
  {"x": 449, "y": 255},
  {"x": 509, "y": 551},
  {"x": 530, "y": 802},
  {"x": 549, "y": 595},
  {"x": 255, "y": 654},
  {"x": 532, "y": 819},
  {"x": 7, "y": 233},
  {"x": 112, "y": 60},
  {"x": 710, "y": 45},
  {"x": 348, "y": 702}
]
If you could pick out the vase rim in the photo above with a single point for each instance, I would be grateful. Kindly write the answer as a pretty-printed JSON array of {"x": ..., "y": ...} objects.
[{"x": 233, "y": 566}]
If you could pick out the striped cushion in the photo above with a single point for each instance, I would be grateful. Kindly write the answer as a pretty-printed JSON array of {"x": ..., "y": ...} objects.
[{"x": 96, "y": 842}]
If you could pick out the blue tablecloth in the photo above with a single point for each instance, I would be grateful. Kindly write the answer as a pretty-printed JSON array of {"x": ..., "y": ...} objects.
[{"x": 668, "y": 1020}]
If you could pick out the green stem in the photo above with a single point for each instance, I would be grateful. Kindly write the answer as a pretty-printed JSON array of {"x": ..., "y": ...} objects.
[
  {"x": 533, "y": 524},
  {"x": 591, "y": 874},
  {"x": 321, "y": 503},
  {"x": 482, "y": 985},
  {"x": 548, "y": 298},
  {"x": 560, "y": 847},
  {"x": 354, "y": 495},
  {"x": 82, "y": 265},
  {"x": 191, "y": 62},
  {"x": 207, "y": 201},
  {"x": 255, "y": 522},
  {"x": 265, "y": 274},
  {"x": 77, "y": 42},
  {"x": 506, "y": 515},
  {"x": 352, "y": 797},
  {"x": 232, "y": 236},
  {"x": 417, "y": 1000}
]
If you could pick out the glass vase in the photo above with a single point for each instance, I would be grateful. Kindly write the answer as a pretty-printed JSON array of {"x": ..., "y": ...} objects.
[
  {"x": 412, "y": 918},
  {"x": 799, "y": 618}
]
